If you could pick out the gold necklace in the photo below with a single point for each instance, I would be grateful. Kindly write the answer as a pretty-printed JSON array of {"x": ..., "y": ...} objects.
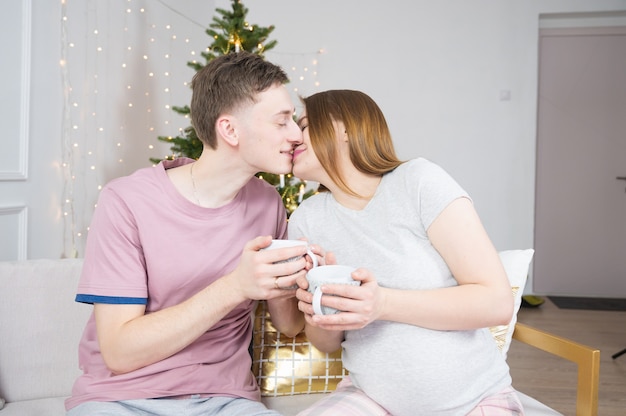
[{"x": 193, "y": 184}]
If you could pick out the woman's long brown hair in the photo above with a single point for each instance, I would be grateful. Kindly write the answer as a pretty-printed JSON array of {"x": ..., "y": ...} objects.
[{"x": 370, "y": 142}]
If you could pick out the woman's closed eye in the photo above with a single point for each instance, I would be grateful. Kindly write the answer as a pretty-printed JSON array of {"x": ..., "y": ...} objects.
[{"x": 303, "y": 123}]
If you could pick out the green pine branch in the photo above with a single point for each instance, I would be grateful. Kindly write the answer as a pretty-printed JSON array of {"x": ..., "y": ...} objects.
[{"x": 230, "y": 31}]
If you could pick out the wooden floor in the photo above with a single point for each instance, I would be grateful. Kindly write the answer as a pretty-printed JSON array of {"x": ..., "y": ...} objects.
[{"x": 553, "y": 380}]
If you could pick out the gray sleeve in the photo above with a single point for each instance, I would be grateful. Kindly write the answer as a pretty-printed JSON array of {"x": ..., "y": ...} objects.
[{"x": 432, "y": 189}]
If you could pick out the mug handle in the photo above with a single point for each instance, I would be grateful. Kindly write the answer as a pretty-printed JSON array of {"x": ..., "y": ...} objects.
[
  {"x": 317, "y": 301},
  {"x": 313, "y": 256}
]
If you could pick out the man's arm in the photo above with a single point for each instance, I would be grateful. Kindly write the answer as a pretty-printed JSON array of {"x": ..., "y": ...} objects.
[
  {"x": 131, "y": 339},
  {"x": 286, "y": 317}
]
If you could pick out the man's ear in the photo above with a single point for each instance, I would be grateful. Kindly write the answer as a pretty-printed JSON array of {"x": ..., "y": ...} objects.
[{"x": 225, "y": 127}]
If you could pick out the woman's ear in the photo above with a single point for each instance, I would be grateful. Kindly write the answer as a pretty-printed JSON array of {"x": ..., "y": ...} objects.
[
  {"x": 340, "y": 128},
  {"x": 225, "y": 127}
]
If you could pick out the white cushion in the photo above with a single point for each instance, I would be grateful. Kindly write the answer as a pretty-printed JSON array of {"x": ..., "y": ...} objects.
[
  {"x": 37, "y": 302},
  {"x": 516, "y": 264},
  {"x": 54, "y": 406}
]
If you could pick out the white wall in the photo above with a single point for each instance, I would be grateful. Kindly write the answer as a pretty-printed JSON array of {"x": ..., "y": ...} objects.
[
  {"x": 42, "y": 189},
  {"x": 437, "y": 69}
]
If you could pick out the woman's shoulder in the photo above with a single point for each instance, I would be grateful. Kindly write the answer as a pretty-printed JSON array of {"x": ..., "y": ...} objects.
[
  {"x": 417, "y": 168},
  {"x": 420, "y": 163},
  {"x": 424, "y": 176}
]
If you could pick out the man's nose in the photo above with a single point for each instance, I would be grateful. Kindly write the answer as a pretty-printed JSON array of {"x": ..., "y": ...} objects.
[{"x": 295, "y": 136}]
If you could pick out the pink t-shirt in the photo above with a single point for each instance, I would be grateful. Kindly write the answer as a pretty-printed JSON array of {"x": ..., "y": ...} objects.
[{"x": 149, "y": 245}]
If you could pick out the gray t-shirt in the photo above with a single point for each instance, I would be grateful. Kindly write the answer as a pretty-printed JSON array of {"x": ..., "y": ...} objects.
[{"x": 407, "y": 369}]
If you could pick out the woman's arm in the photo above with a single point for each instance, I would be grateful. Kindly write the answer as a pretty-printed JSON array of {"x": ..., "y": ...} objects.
[
  {"x": 324, "y": 339},
  {"x": 483, "y": 297},
  {"x": 286, "y": 317}
]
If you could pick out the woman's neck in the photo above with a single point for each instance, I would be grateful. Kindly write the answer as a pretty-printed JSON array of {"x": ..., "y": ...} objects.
[{"x": 364, "y": 185}]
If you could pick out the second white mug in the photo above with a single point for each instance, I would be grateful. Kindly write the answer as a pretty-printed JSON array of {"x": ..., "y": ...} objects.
[{"x": 333, "y": 274}]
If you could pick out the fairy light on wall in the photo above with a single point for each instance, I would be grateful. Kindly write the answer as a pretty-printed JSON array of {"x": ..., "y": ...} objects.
[
  {"x": 123, "y": 67},
  {"x": 68, "y": 213},
  {"x": 119, "y": 82},
  {"x": 303, "y": 71}
]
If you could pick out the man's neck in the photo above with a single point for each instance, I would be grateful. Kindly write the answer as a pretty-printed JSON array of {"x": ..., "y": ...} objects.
[{"x": 216, "y": 180}]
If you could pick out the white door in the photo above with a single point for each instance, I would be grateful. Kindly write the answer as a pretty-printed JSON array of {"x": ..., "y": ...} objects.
[{"x": 580, "y": 223}]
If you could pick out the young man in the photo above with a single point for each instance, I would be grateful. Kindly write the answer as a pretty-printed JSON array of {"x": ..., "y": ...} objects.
[{"x": 173, "y": 264}]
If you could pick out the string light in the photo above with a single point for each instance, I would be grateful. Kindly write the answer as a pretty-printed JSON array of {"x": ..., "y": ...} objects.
[
  {"x": 122, "y": 70},
  {"x": 68, "y": 212},
  {"x": 302, "y": 69},
  {"x": 91, "y": 39}
]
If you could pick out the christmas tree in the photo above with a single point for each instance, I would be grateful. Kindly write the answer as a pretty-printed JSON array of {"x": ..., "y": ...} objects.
[{"x": 231, "y": 33}]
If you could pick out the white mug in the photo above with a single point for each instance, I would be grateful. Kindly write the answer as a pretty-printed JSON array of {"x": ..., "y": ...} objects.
[
  {"x": 333, "y": 274},
  {"x": 276, "y": 244}
]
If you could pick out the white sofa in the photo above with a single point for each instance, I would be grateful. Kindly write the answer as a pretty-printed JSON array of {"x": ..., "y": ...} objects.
[{"x": 40, "y": 326}]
